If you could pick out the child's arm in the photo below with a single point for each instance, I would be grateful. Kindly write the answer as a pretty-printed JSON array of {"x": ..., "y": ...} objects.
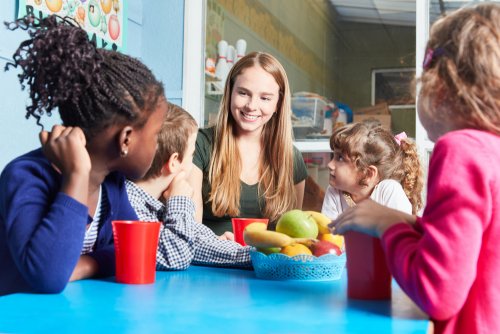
[
  {"x": 176, "y": 246},
  {"x": 44, "y": 210},
  {"x": 45, "y": 228},
  {"x": 65, "y": 148},
  {"x": 226, "y": 236},
  {"x": 371, "y": 218},
  {"x": 196, "y": 180},
  {"x": 183, "y": 240},
  {"x": 177, "y": 243},
  {"x": 86, "y": 267},
  {"x": 438, "y": 267},
  {"x": 213, "y": 251}
]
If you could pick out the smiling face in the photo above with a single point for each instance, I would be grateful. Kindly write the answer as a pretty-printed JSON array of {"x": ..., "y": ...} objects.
[
  {"x": 254, "y": 99},
  {"x": 343, "y": 174}
]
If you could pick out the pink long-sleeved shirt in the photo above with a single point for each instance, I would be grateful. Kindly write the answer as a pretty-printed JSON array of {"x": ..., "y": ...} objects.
[{"x": 449, "y": 263}]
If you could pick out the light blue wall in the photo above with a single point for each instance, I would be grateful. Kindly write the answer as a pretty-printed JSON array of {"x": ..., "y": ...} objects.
[
  {"x": 155, "y": 35},
  {"x": 162, "y": 39}
]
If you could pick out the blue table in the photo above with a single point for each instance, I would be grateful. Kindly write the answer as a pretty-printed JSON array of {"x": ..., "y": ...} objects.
[{"x": 208, "y": 300}]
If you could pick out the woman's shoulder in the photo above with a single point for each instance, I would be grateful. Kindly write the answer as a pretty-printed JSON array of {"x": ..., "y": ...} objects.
[
  {"x": 296, "y": 152},
  {"x": 299, "y": 166},
  {"x": 206, "y": 134},
  {"x": 203, "y": 152}
]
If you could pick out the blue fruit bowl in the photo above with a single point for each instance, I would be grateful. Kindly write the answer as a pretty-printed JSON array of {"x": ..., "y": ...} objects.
[{"x": 279, "y": 266}]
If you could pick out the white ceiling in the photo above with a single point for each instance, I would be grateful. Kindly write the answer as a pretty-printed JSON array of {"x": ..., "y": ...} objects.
[
  {"x": 393, "y": 12},
  {"x": 389, "y": 12}
]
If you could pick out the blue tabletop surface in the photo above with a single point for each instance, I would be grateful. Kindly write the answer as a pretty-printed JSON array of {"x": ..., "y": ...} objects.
[{"x": 208, "y": 300}]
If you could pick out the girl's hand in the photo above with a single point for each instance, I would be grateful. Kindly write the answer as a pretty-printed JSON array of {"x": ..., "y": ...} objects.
[
  {"x": 65, "y": 148},
  {"x": 369, "y": 217},
  {"x": 179, "y": 187}
]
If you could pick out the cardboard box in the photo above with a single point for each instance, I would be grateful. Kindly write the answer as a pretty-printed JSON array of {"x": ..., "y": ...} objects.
[{"x": 377, "y": 113}]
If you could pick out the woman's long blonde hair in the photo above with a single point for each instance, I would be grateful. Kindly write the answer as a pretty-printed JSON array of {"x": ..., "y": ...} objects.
[{"x": 276, "y": 183}]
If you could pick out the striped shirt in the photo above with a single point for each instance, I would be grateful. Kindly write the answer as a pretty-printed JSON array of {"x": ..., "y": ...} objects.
[{"x": 93, "y": 228}]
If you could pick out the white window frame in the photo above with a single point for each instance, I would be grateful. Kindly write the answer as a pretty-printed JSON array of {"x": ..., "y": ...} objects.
[{"x": 193, "y": 60}]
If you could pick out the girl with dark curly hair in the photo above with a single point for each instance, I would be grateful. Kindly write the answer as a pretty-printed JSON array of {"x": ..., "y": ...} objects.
[{"x": 58, "y": 201}]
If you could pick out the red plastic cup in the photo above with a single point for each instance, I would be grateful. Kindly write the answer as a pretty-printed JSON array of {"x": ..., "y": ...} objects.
[
  {"x": 368, "y": 276},
  {"x": 239, "y": 225},
  {"x": 135, "y": 249}
]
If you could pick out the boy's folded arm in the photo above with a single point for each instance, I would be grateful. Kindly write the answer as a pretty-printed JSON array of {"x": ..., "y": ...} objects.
[
  {"x": 210, "y": 250},
  {"x": 176, "y": 247}
]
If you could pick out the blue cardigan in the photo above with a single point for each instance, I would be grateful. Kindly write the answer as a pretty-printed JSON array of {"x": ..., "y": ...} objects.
[{"x": 42, "y": 229}]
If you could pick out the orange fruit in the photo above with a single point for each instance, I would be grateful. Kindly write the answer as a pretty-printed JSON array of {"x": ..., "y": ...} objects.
[
  {"x": 333, "y": 238},
  {"x": 295, "y": 249}
]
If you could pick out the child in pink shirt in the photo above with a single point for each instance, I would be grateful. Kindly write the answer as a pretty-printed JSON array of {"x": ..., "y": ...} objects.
[{"x": 448, "y": 260}]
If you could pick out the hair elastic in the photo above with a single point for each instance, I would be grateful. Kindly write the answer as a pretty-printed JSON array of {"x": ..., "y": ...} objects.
[
  {"x": 430, "y": 55},
  {"x": 399, "y": 137}
]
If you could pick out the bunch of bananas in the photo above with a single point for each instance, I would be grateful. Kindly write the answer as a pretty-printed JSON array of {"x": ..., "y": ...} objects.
[{"x": 257, "y": 235}]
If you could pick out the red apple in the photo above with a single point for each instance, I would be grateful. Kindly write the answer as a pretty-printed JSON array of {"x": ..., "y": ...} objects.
[{"x": 324, "y": 247}]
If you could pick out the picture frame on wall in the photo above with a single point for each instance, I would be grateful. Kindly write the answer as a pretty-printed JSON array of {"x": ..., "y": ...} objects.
[
  {"x": 105, "y": 21},
  {"x": 395, "y": 86}
]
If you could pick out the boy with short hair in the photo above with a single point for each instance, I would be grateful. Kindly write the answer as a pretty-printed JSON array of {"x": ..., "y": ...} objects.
[{"x": 165, "y": 195}]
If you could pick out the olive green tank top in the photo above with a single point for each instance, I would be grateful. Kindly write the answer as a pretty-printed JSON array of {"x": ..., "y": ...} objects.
[{"x": 250, "y": 203}]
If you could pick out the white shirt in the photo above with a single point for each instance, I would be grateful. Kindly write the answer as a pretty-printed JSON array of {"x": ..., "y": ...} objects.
[
  {"x": 93, "y": 229},
  {"x": 387, "y": 192}
]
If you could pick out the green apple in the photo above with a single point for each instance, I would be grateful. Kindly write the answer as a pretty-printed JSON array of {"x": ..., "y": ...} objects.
[
  {"x": 297, "y": 224},
  {"x": 269, "y": 250}
]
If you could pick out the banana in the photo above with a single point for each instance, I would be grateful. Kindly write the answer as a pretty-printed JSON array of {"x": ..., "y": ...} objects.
[
  {"x": 267, "y": 239},
  {"x": 321, "y": 220},
  {"x": 256, "y": 226}
]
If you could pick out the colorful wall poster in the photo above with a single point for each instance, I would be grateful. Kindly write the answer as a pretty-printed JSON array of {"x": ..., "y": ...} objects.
[{"x": 104, "y": 20}]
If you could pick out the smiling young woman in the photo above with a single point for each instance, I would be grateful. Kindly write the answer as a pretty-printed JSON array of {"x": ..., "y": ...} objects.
[{"x": 246, "y": 165}]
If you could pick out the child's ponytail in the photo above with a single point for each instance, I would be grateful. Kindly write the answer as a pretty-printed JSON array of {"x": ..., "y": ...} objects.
[
  {"x": 412, "y": 180},
  {"x": 57, "y": 63},
  {"x": 91, "y": 87}
]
